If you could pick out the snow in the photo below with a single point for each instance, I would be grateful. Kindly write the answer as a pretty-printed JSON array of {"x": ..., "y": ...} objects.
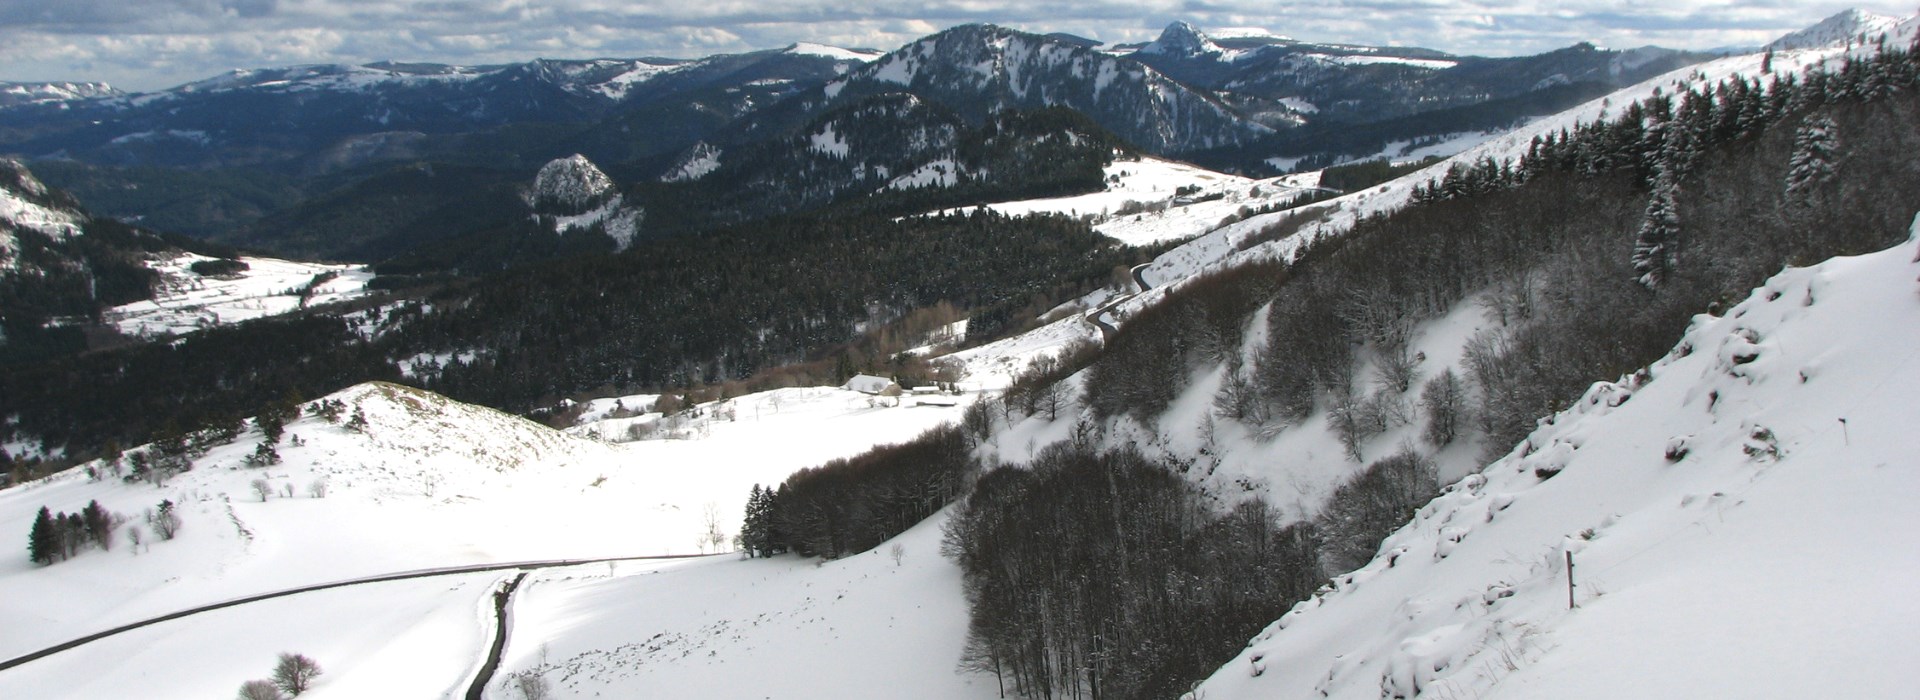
[
  {"x": 1299, "y": 105},
  {"x": 190, "y": 135},
  {"x": 897, "y": 68},
  {"x": 1147, "y": 188},
  {"x": 14, "y": 94},
  {"x": 185, "y": 301},
  {"x": 620, "y": 222},
  {"x": 1221, "y": 246},
  {"x": 414, "y": 638},
  {"x": 834, "y": 52},
  {"x": 1755, "y": 566},
  {"x": 1839, "y": 29},
  {"x": 1363, "y": 60},
  {"x": 435, "y": 483},
  {"x": 19, "y": 211},
  {"x": 699, "y": 162},
  {"x": 572, "y": 181},
  {"x": 863, "y": 626},
  {"x": 618, "y": 86},
  {"x": 1244, "y": 33},
  {"x": 829, "y": 143},
  {"x": 941, "y": 173}
]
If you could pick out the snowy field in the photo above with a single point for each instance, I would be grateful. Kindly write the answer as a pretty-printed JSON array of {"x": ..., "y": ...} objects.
[
  {"x": 861, "y": 627},
  {"x": 432, "y": 483},
  {"x": 1141, "y": 204},
  {"x": 186, "y": 301}
]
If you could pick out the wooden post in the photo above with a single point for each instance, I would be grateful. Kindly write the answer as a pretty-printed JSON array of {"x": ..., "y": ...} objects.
[{"x": 1570, "y": 603}]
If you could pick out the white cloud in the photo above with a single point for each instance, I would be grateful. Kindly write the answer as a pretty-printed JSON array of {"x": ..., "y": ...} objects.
[{"x": 156, "y": 43}]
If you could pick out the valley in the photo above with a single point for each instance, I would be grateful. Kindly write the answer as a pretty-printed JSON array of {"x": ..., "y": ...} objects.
[{"x": 998, "y": 365}]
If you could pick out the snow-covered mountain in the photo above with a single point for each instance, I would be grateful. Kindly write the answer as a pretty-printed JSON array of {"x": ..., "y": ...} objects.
[
  {"x": 1758, "y": 467},
  {"x": 12, "y": 93},
  {"x": 979, "y": 69},
  {"x": 1357, "y": 97},
  {"x": 570, "y": 185},
  {"x": 579, "y": 197},
  {"x": 314, "y": 111},
  {"x": 1851, "y": 25},
  {"x": 47, "y": 270}
]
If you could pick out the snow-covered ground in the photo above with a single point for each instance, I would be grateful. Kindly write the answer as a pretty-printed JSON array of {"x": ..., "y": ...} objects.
[
  {"x": 1734, "y": 521},
  {"x": 1141, "y": 204},
  {"x": 866, "y": 626},
  {"x": 431, "y": 483},
  {"x": 187, "y": 301},
  {"x": 1757, "y": 565}
]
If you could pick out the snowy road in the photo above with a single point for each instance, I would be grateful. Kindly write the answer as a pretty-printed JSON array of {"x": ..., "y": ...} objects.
[{"x": 383, "y": 578}]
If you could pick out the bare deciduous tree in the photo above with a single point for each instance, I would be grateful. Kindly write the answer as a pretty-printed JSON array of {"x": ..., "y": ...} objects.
[
  {"x": 260, "y": 690},
  {"x": 712, "y": 536},
  {"x": 532, "y": 685},
  {"x": 317, "y": 489},
  {"x": 262, "y": 489},
  {"x": 294, "y": 673}
]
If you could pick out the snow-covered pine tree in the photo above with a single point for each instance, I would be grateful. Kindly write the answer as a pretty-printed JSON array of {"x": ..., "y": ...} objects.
[
  {"x": 1656, "y": 250},
  {"x": 1812, "y": 168}
]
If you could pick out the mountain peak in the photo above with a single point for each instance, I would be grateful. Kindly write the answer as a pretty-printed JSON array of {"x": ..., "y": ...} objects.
[
  {"x": 1181, "y": 39},
  {"x": 1845, "y": 25},
  {"x": 571, "y": 185}
]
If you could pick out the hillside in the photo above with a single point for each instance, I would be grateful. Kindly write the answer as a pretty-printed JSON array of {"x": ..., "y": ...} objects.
[
  {"x": 1656, "y": 346},
  {"x": 428, "y": 482},
  {"x": 1734, "y": 497}
]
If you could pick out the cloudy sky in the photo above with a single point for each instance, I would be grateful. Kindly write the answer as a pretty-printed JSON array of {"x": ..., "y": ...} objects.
[{"x": 152, "y": 44}]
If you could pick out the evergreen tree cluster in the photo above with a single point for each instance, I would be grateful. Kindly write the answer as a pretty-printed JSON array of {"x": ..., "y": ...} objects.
[
  {"x": 726, "y": 304},
  {"x": 760, "y": 535},
  {"x": 57, "y": 537}
]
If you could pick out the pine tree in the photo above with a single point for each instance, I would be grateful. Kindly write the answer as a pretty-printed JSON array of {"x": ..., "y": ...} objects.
[
  {"x": 43, "y": 542},
  {"x": 1816, "y": 150},
  {"x": 1656, "y": 248}
]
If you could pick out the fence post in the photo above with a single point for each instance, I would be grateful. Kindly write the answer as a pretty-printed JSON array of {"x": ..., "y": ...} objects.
[{"x": 1570, "y": 603}]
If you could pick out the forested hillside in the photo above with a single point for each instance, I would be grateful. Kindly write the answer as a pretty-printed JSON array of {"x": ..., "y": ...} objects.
[
  {"x": 691, "y": 311},
  {"x": 1583, "y": 261}
]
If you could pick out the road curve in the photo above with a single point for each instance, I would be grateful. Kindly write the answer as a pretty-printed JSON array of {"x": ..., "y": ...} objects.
[
  {"x": 1106, "y": 329},
  {"x": 421, "y": 573}
]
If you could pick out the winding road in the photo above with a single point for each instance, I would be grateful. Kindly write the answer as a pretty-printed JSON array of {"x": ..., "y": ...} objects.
[
  {"x": 382, "y": 578},
  {"x": 1106, "y": 329}
]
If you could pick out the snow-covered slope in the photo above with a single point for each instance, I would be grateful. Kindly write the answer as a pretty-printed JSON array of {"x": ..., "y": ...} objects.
[
  {"x": 868, "y": 626},
  {"x": 1851, "y": 25},
  {"x": 25, "y": 203},
  {"x": 1143, "y": 202},
  {"x": 186, "y": 301},
  {"x": 1222, "y": 246},
  {"x": 1727, "y": 513},
  {"x": 430, "y": 482}
]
